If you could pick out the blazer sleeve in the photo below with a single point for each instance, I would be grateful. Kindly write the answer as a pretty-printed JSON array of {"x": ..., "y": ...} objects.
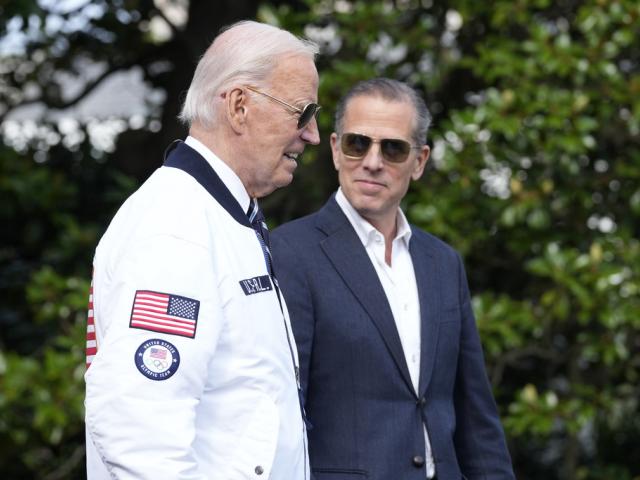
[
  {"x": 479, "y": 438},
  {"x": 290, "y": 272}
]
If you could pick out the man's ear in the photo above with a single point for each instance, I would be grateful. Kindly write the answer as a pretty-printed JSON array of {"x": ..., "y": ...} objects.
[
  {"x": 235, "y": 101},
  {"x": 421, "y": 162},
  {"x": 335, "y": 150}
]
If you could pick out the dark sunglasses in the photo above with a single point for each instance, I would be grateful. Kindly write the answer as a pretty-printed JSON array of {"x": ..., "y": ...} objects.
[
  {"x": 305, "y": 113},
  {"x": 393, "y": 150}
]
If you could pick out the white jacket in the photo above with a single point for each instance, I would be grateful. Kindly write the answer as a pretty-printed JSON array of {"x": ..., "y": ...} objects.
[{"x": 203, "y": 388}]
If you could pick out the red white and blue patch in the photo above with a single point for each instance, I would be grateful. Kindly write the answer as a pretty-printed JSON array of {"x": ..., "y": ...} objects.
[
  {"x": 165, "y": 313},
  {"x": 157, "y": 359}
]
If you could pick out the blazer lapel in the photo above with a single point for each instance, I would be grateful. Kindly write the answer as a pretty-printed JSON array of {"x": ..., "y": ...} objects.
[
  {"x": 427, "y": 274},
  {"x": 349, "y": 257}
]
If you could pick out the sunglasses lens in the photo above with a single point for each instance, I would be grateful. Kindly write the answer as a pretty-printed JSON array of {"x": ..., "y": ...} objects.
[
  {"x": 395, "y": 151},
  {"x": 354, "y": 145},
  {"x": 307, "y": 114}
]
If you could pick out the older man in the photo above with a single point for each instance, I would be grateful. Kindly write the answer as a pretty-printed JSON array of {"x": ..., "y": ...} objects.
[
  {"x": 391, "y": 362},
  {"x": 192, "y": 369}
]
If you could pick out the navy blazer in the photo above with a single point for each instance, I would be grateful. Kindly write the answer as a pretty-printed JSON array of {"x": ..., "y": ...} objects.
[{"x": 367, "y": 418}]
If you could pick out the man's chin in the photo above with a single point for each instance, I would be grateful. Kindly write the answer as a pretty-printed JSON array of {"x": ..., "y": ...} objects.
[
  {"x": 280, "y": 182},
  {"x": 364, "y": 204},
  {"x": 287, "y": 181}
]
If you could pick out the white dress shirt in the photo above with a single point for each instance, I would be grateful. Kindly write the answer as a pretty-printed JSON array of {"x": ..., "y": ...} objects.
[
  {"x": 224, "y": 171},
  {"x": 399, "y": 283}
]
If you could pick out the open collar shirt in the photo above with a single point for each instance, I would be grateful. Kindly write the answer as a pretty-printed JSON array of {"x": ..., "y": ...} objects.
[{"x": 399, "y": 283}]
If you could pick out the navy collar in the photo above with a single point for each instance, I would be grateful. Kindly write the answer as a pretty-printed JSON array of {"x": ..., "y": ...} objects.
[{"x": 182, "y": 156}]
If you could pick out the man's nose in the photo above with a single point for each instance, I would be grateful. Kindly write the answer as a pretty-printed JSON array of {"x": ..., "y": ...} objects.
[
  {"x": 373, "y": 159},
  {"x": 310, "y": 133}
]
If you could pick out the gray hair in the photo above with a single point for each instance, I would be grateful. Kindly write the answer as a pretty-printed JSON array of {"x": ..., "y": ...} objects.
[
  {"x": 392, "y": 90},
  {"x": 245, "y": 52}
]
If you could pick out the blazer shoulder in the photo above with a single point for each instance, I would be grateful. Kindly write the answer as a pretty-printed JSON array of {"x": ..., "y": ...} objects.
[
  {"x": 295, "y": 242},
  {"x": 299, "y": 228},
  {"x": 434, "y": 244}
]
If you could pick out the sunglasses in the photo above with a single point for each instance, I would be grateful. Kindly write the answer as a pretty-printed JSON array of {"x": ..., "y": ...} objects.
[
  {"x": 394, "y": 150},
  {"x": 306, "y": 113}
]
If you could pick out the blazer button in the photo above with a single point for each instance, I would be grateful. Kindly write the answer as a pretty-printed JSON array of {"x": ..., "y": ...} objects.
[
  {"x": 421, "y": 402},
  {"x": 259, "y": 470},
  {"x": 418, "y": 461}
]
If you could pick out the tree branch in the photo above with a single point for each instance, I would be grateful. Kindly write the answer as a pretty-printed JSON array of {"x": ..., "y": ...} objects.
[
  {"x": 61, "y": 105},
  {"x": 514, "y": 356},
  {"x": 67, "y": 467},
  {"x": 175, "y": 30}
]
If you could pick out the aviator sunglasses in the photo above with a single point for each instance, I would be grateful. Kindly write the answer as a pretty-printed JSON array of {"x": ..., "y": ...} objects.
[
  {"x": 306, "y": 113},
  {"x": 394, "y": 150}
]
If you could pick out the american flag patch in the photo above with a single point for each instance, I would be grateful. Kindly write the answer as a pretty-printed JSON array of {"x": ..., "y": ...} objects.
[
  {"x": 92, "y": 345},
  {"x": 158, "y": 353},
  {"x": 166, "y": 313}
]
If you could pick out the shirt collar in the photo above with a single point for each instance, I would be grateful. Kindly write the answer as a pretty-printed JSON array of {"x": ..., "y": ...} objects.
[
  {"x": 226, "y": 174},
  {"x": 364, "y": 229}
]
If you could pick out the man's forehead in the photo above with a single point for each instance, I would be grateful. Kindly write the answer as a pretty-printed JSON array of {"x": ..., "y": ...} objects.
[
  {"x": 295, "y": 68},
  {"x": 295, "y": 81},
  {"x": 374, "y": 110},
  {"x": 377, "y": 108},
  {"x": 376, "y": 100}
]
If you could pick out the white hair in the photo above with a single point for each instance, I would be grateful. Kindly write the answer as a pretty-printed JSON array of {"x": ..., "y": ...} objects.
[{"x": 243, "y": 53}]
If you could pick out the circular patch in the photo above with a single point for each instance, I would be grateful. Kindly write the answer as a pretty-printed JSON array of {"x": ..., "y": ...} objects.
[{"x": 157, "y": 359}]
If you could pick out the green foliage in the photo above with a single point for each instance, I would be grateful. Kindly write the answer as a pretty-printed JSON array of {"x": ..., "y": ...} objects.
[
  {"x": 534, "y": 178},
  {"x": 44, "y": 394},
  {"x": 45, "y": 260}
]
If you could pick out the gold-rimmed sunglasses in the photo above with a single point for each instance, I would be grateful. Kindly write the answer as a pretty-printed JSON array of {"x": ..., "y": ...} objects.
[
  {"x": 357, "y": 145},
  {"x": 306, "y": 113}
]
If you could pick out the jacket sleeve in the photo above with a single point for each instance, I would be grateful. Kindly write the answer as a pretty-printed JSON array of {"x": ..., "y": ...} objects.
[
  {"x": 144, "y": 427},
  {"x": 295, "y": 289},
  {"x": 480, "y": 443}
]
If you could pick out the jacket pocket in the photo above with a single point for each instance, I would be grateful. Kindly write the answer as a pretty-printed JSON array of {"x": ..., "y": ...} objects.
[
  {"x": 255, "y": 449},
  {"x": 338, "y": 474}
]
